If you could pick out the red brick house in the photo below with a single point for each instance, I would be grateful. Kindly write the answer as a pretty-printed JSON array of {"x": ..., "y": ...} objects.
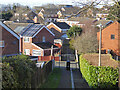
[
  {"x": 9, "y": 41},
  {"x": 38, "y": 40},
  {"x": 111, "y": 38}
]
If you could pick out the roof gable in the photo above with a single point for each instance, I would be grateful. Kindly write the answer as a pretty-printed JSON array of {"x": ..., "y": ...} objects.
[
  {"x": 10, "y": 30},
  {"x": 41, "y": 29},
  {"x": 111, "y": 25},
  {"x": 54, "y": 25}
]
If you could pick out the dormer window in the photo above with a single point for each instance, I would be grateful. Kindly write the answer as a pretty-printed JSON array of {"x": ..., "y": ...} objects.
[{"x": 43, "y": 39}]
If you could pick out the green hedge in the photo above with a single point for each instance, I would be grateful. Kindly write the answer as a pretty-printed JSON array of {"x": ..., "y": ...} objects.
[
  {"x": 107, "y": 76},
  {"x": 17, "y": 72}
]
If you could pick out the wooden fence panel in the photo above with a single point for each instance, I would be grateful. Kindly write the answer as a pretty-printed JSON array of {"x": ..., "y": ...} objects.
[{"x": 41, "y": 74}]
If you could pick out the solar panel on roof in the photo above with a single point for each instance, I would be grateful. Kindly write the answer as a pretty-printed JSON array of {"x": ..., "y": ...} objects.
[
  {"x": 22, "y": 32},
  {"x": 19, "y": 29},
  {"x": 31, "y": 30}
]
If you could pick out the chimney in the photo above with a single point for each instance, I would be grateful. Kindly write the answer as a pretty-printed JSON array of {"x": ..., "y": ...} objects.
[{"x": 35, "y": 19}]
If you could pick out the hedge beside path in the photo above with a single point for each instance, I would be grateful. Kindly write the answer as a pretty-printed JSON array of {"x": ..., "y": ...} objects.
[{"x": 99, "y": 76}]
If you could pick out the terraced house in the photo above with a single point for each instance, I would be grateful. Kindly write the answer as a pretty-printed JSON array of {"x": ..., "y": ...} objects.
[
  {"x": 111, "y": 39},
  {"x": 38, "y": 40}
]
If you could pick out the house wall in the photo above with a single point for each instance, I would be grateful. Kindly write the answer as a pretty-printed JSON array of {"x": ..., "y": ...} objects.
[
  {"x": 53, "y": 26},
  {"x": 30, "y": 46},
  {"x": 107, "y": 42},
  {"x": 119, "y": 37},
  {"x": 11, "y": 46},
  {"x": 48, "y": 36}
]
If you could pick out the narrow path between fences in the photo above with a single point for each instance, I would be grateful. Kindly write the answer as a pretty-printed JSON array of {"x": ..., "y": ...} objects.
[{"x": 66, "y": 82}]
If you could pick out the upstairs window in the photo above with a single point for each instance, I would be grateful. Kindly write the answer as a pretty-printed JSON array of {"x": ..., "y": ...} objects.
[
  {"x": 26, "y": 39},
  {"x": 112, "y": 36},
  {"x": 1, "y": 43},
  {"x": 43, "y": 39}
]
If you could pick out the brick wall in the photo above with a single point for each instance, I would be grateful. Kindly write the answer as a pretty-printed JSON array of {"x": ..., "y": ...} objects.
[
  {"x": 107, "y": 42},
  {"x": 11, "y": 43},
  {"x": 48, "y": 58},
  {"x": 30, "y": 46},
  {"x": 48, "y": 36}
]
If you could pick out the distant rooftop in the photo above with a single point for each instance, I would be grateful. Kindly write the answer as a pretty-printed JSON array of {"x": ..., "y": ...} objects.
[{"x": 62, "y": 25}]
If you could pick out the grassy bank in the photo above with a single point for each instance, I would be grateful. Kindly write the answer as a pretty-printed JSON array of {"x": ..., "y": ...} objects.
[{"x": 53, "y": 79}]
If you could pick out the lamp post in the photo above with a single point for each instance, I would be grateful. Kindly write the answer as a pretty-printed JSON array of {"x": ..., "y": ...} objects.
[
  {"x": 100, "y": 45},
  {"x": 100, "y": 51}
]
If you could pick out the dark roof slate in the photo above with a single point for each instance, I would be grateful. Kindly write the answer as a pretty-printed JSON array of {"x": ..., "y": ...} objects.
[
  {"x": 62, "y": 25},
  {"x": 45, "y": 45}
]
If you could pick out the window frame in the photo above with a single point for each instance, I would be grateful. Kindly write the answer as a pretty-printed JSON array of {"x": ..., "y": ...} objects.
[
  {"x": 112, "y": 36},
  {"x": 27, "y": 38},
  {"x": 3, "y": 44},
  {"x": 43, "y": 39},
  {"x": 25, "y": 51}
]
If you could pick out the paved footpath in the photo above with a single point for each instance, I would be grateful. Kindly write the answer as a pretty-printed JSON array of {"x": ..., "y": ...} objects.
[
  {"x": 79, "y": 82},
  {"x": 65, "y": 81}
]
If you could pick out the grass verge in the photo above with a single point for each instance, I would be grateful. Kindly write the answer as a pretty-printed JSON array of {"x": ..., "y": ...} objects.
[{"x": 53, "y": 79}]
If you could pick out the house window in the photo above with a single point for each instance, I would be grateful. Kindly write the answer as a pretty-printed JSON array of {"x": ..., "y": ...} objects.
[
  {"x": 26, "y": 39},
  {"x": 112, "y": 36},
  {"x": 27, "y": 51},
  {"x": 1, "y": 43},
  {"x": 43, "y": 39}
]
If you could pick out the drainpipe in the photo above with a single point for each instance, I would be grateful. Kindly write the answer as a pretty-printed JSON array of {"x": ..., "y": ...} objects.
[
  {"x": 119, "y": 75},
  {"x": 100, "y": 46}
]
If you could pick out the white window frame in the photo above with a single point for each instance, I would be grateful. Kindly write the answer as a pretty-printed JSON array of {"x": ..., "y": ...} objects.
[
  {"x": 26, "y": 38},
  {"x": 33, "y": 54},
  {"x": 2, "y": 44},
  {"x": 28, "y": 51},
  {"x": 43, "y": 39},
  {"x": 64, "y": 30}
]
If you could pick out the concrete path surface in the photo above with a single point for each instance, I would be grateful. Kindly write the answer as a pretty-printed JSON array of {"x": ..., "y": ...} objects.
[
  {"x": 79, "y": 82},
  {"x": 65, "y": 81}
]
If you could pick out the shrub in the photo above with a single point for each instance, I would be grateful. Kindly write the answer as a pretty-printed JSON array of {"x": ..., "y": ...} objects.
[
  {"x": 74, "y": 31},
  {"x": 22, "y": 68},
  {"x": 9, "y": 78},
  {"x": 106, "y": 76}
]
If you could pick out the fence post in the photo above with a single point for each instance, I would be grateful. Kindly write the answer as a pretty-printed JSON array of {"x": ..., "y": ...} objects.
[{"x": 53, "y": 64}]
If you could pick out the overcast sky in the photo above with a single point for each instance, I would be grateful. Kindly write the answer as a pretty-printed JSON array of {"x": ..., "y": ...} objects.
[
  {"x": 41, "y": 2},
  {"x": 36, "y": 2}
]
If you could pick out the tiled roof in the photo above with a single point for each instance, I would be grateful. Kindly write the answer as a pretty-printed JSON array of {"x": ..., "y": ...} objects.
[
  {"x": 62, "y": 25},
  {"x": 14, "y": 25},
  {"x": 119, "y": 21},
  {"x": 46, "y": 45}
]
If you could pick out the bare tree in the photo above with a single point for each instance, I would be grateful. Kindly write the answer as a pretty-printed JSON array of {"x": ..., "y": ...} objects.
[
  {"x": 115, "y": 6},
  {"x": 86, "y": 4},
  {"x": 87, "y": 41}
]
